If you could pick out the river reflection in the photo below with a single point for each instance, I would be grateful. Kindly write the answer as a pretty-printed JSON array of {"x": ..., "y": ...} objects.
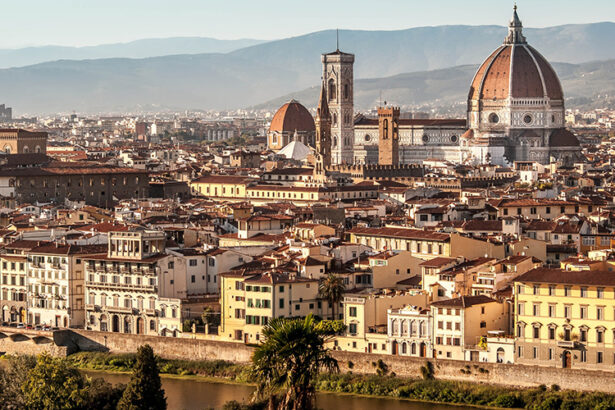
[{"x": 193, "y": 394}]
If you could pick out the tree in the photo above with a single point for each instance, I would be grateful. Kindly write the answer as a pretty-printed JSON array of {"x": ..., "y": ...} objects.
[
  {"x": 144, "y": 392},
  {"x": 52, "y": 384},
  {"x": 332, "y": 288},
  {"x": 210, "y": 317},
  {"x": 289, "y": 359},
  {"x": 12, "y": 377}
]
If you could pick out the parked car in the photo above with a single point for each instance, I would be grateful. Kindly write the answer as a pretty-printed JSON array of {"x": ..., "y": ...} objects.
[{"x": 21, "y": 326}]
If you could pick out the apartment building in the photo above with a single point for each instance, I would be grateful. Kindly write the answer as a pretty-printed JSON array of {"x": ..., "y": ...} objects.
[
  {"x": 56, "y": 283},
  {"x": 13, "y": 288},
  {"x": 365, "y": 317},
  {"x": 460, "y": 323},
  {"x": 410, "y": 331},
  {"x": 125, "y": 287},
  {"x": 248, "y": 301},
  {"x": 565, "y": 318}
]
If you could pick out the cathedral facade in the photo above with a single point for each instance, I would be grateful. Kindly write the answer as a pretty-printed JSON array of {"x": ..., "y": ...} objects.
[{"x": 515, "y": 112}]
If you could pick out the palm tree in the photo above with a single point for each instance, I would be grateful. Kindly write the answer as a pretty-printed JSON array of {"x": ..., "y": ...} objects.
[
  {"x": 332, "y": 288},
  {"x": 289, "y": 359}
]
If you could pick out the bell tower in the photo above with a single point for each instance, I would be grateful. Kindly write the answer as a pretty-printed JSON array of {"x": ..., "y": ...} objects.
[
  {"x": 323, "y": 132},
  {"x": 388, "y": 136},
  {"x": 338, "y": 80}
]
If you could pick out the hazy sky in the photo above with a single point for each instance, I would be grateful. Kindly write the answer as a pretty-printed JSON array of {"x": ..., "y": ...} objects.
[{"x": 88, "y": 22}]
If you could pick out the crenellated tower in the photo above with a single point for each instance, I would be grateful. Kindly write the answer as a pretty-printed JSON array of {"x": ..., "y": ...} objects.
[{"x": 388, "y": 136}]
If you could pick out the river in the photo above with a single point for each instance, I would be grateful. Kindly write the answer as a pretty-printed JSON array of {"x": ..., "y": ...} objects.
[{"x": 194, "y": 394}]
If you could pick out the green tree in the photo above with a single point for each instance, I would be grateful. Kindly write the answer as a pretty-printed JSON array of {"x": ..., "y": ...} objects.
[
  {"x": 52, "y": 384},
  {"x": 332, "y": 288},
  {"x": 144, "y": 392},
  {"x": 210, "y": 317},
  {"x": 292, "y": 354},
  {"x": 12, "y": 377}
]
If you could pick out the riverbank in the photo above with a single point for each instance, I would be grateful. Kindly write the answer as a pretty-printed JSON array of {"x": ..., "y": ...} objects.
[{"x": 425, "y": 389}]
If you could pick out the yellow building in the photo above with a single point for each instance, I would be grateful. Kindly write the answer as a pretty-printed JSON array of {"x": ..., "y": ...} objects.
[
  {"x": 220, "y": 186},
  {"x": 547, "y": 209},
  {"x": 249, "y": 301},
  {"x": 565, "y": 318},
  {"x": 426, "y": 244}
]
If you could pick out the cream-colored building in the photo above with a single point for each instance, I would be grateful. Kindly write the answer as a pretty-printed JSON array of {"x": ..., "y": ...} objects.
[
  {"x": 460, "y": 323},
  {"x": 125, "y": 287},
  {"x": 565, "y": 318}
]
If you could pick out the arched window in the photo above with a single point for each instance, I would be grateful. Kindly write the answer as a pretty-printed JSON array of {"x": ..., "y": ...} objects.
[
  {"x": 334, "y": 119},
  {"x": 413, "y": 348},
  {"x": 7, "y": 149},
  {"x": 331, "y": 90},
  {"x": 385, "y": 129},
  {"x": 346, "y": 91},
  {"x": 26, "y": 149},
  {"x": 404, "y": 348},
  {"x": 152, "y": 325},
  {"x": 37, "y": 149}
]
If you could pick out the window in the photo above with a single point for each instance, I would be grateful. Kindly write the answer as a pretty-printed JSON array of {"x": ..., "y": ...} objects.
[
  {"x": 583, "y": 335},
  {"x": 583, "y": 292},
  {"x": 567, "y": 290},
  {"x": 352, "y": 312},
  {"x": 551, "y": 333},
  {"x": 567, "y": 311},
  {"x": 536, "y": 332},
  {"x": 600, "y": 293},
  {"x": 599, "y": 357},
  {"x": 599, "y": 336},
  {"x": 536, "y": 309},
  {"x": 193, "y": 262},
  {"x": 193, "y": 278},
  {"x": 551, "y": 310},
  {"x": 353, "y": 328},
  {"x": 483, "y": 324},
  {"x": 583, "y": 312},
  {"x": 281, "y": 303},
  {"x": 551, "y": 290},
  {"x": 583, "y": 355},
  {"x": 536, "y": 289},
  {"x": 600, "y": 313}
]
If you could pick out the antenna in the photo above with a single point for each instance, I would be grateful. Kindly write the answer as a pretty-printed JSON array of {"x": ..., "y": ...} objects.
[{"x": 337, "y": 39}]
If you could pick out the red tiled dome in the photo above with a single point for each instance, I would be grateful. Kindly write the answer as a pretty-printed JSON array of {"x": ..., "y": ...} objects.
[
  {"x": 517, "y": 70},
  {"x": 292, "y": 117}
]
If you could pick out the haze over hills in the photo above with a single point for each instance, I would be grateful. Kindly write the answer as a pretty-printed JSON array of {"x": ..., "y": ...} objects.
[
  {"x": 254, "y": 74},
  {"x": 587, "y": 85},
  {"x": 150, "y": 47}
]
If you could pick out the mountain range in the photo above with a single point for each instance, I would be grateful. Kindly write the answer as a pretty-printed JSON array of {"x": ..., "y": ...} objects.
[
  {"x": 410, "y": 66},
  {"x": 150, "y": 47}
]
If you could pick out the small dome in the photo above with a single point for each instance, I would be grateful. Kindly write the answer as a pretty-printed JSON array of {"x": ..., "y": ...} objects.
[{"x": 292, "y": 117}]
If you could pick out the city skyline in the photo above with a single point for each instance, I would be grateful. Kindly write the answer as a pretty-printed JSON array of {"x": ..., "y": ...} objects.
[{"x": 70, "y": 23}]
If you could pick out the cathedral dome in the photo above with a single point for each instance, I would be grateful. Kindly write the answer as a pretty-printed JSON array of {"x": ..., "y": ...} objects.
[
  {"x": 515, "y": 70},
  {"x": 292, "y": 117}
]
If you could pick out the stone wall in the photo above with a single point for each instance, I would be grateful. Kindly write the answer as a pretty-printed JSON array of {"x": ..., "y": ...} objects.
[
  {"x": 167, "y": 347},
  {"x": 63, "y": 342},
  {"x": 33, "y": 343},
  {"x": 489, "y": 373}
]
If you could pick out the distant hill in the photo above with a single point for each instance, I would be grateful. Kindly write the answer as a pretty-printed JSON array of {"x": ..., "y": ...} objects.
[
  {"x": 588, "y": 85},
  {"x": 257, "y": 73},
  {"x": 150, "y": 47}
]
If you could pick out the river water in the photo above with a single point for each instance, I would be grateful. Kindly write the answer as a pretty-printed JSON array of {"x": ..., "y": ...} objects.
[{"x": 194, "y": 394}]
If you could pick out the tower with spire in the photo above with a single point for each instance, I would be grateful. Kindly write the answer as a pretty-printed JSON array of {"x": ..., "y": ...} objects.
[
  {"x": 323, "y": 132},
  {"x": 338, "y": 80}
]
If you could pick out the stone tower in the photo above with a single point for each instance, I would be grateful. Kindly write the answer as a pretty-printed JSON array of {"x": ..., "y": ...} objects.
[
  {"x": 323, "y": 132},
  {"x": 338, "y": 77},
  {"x": 388, "y": 135}
]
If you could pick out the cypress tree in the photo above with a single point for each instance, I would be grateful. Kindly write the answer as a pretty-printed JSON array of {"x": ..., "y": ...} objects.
[{"x": 144, "y": 392}]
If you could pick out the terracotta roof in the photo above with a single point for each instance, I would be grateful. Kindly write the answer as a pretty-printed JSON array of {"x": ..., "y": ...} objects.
[
  {"x": 437, "y": 262},
  {"x": 292, "y": 117},
  {"x": 402, "y": 233},
  {"x": 464, "y": 301},
  {"x": 561, "y": 137},
  {"x": 481, "y": 225},
  {"x": 559, "y": 276}
]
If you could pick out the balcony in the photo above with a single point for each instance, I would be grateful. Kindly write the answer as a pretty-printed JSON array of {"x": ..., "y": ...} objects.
[
  {"x": 123, "y": 286},
  {"x": 150, "y": 312},
  {"x": 569, "y": 344},
  {"x": 119, "y": 309}
]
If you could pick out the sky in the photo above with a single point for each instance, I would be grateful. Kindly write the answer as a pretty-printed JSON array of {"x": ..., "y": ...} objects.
[{"x": 91, "y": 22}]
